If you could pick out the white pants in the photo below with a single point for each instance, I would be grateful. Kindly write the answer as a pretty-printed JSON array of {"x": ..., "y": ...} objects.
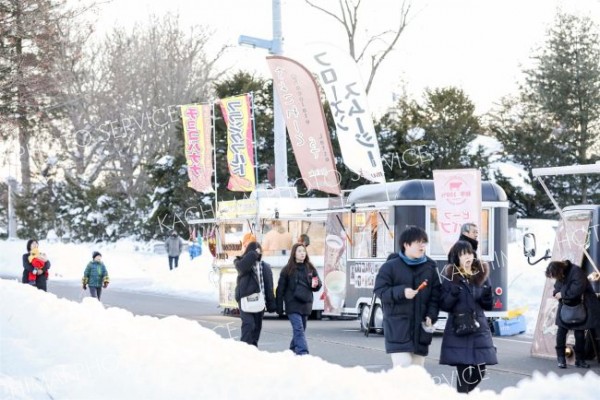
[{"x": 407, "y": 359}]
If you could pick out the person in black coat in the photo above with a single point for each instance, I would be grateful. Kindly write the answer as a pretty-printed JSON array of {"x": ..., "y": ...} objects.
[
  {"x": 298, "y": 281},
  {"x": 248, "y": 283},
  {"x": 41, "y": 274},
  {"x": 406, "y": 309},
  {"x": 467, "y": 290},
  {"x": 571, "y": 284},
  {"x": 470, "y": 233}
]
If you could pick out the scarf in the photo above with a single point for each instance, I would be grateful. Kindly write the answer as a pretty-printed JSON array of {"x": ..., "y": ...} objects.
[{"x": 412, "y": 261}]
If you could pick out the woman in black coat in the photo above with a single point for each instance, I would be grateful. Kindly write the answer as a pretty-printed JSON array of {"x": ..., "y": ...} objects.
[
  {"x": 297, "y": 282},
  {"x": 41, "y": 274},
  {"x": 571, "y": 284},
  {"x": 466, "y": 289},
  {"x": 247, "y": 266}
]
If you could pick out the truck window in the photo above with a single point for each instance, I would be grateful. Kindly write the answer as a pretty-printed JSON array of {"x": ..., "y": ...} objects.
[
  {"x": 371, "y": 235},
  {"x": 435, "y": 236}
]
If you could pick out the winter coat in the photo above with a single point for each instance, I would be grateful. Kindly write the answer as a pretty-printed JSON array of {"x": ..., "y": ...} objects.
[
  {"x": 40, "y": 280},
  {"x": 402, "y": 317},
  {"x": 296, "y": 290},
  {"x": 247, "y": 279},
  {"x": 95, "y": 274},
  {"x": 461, "y": 295},
  {"x": 574, "y": 285},
  {"x": 174, "y": 246}
]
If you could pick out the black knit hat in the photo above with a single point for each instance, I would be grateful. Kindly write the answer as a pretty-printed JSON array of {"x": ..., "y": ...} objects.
[{"x": 95, "y": 254}]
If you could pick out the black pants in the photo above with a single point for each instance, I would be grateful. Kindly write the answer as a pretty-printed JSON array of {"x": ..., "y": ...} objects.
[
  {"x": 561, "y": 342},
  {"x": 173, "y": 262},
  {"x": 251, "y": 327},
  {"x": 469, "y": 376}
]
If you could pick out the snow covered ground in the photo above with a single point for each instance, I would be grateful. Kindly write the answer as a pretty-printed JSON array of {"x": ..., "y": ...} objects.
[{"x": 55, "y": 348}]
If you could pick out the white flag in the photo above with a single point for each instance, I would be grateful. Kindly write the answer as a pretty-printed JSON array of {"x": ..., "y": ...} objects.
[{"x": 339, "y": 76}]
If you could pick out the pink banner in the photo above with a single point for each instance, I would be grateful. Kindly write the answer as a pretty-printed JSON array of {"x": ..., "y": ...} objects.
[
  {"x": 197, "y": 125},
  {"x": 458, "y": 201},
  {"x": 306, "y": 125},
  {"x": 240, "y": 152}
]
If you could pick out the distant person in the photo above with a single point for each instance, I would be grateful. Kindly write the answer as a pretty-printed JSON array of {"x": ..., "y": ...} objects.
[
  {"x": 466, "y": 293},
  {"x": 95, "y": 276},
  {"x": 254, "y": 276},
  {"x": 174, "y": 247},
  {"x": 35, "y": 275},
  {"x": 470, "y": 233},
  {"x": 247, "y": 239},
  {"x": 304, "y": 239},
  {"x": 277, "y": 239},
  {"x": 570, "y": 286},
  {"x": 407, "y": 311},
  {"x": 298, "y": 281}
]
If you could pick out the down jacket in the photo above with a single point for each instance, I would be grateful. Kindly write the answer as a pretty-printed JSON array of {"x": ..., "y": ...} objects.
[
  {"x": 296, "y": 290},
  {"x": 575, "y": 285},
  {"x": 460, "y": 295},
  {"x": 402, "y": 317},
  {"x": 247, "y": 280}
]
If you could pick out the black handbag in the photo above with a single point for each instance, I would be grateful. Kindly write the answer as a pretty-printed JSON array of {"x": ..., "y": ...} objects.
[
  {"x": 465, "y": 323},
  {"x": 573, "y": 315}
]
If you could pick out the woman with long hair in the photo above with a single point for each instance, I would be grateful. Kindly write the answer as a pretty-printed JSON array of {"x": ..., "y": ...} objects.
[
  {"x": 297, "y": 282},
  {"x": 466, "y": 293},
  {"x": 571, "y": 288},
  {"x": 254, "y": 276}
]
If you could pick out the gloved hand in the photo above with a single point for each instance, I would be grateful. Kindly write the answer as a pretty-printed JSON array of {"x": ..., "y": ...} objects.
[
  {"x": 105, "y": 284},
  {"x": 84, "y": 286}
]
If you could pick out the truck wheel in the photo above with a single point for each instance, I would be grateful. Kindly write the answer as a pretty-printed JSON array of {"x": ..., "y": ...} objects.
[
  {"x": 364, "y": 317},
  {"x": 317, "y": 314},
  {"x": 378, "y": 318}
]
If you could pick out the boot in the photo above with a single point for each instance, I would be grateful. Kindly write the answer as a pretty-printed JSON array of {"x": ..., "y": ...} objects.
[
  {"x": 560, "y": 356},
  {"x": 580, "y": 361}
]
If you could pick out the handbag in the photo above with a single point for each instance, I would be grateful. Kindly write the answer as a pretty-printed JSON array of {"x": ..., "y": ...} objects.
[
  {"x": 573, "y": 315},
  {"x": 255, "y": 302},
  {"x": 465, "y": 323}
]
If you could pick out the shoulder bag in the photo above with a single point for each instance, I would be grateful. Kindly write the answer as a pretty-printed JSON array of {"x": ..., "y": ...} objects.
[
  {"x": 573, "y": 315},
  {"x": 255, "y": 302}
]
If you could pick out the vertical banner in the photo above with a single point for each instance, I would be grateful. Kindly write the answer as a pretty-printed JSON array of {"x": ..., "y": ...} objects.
[
  {"x": 240, "y": 153},
  {"x": 339, "y": 76},
  {"x": 334, "y": 263},
  {"x": 198, "y": 146},
  {"x": 457, "y": 200},
  {"x": 570, "y": 238},
  {"x": 306, "y": 124}
]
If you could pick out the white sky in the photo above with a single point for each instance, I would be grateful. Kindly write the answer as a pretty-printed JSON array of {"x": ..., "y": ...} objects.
[{"x": 80, "y": 350}]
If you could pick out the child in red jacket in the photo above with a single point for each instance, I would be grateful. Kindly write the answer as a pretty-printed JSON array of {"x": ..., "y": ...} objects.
[{"x": 37, "y": 260}]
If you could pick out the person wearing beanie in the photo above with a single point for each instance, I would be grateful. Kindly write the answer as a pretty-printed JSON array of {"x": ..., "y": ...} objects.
[
  {"x": 35, "y": 266},
  {"x": 95, "y": 276}
]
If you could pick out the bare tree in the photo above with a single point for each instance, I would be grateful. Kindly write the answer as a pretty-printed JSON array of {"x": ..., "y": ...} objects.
[{"x": 348, "y": 16}]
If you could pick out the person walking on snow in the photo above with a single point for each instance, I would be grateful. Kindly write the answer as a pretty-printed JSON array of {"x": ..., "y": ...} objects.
[
  {"x": 174, "y": 247},
  {"x": 95, "y": 276}
]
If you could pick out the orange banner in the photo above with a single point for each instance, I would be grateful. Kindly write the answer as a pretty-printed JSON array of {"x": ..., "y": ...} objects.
[
  {"x": 197, "y": 125},
  {"x": 306, "y": 125},
  {"x": 458, "y": 201},
  {"x": 240, "y": 155}
]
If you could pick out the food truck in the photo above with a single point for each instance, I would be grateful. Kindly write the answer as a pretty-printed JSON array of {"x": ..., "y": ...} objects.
[
  {"x": 263, "y": 211},
  {"x": 577, "y": 239},
  {"x": 363, "y": 231}
]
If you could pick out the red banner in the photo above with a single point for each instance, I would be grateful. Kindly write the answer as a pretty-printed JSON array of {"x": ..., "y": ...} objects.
[
  {"x": 240, "y": 153},
  {"x": 306, "y": 125},
  {"x": 197, "y": 125}
]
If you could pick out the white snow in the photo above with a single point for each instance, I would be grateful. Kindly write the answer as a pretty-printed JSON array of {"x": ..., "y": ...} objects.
[{"x": 56, "y": 348}]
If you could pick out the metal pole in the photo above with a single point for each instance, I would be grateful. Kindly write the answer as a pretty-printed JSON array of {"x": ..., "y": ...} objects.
[{"x": 280, "y": 145}]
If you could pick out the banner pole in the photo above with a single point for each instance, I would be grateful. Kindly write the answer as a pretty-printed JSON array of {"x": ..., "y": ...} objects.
[
  {"x": 255, "y": 146},
  {"x": 214, "y": 138}
]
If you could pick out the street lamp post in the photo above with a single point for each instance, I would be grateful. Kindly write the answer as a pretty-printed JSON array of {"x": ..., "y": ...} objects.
[{"x": 275, "y": 47}]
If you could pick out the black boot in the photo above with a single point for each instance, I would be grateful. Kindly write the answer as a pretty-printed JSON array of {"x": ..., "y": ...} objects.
[
  {"x": 560, "y": 356},
  {"x": 580, "y": 363}
]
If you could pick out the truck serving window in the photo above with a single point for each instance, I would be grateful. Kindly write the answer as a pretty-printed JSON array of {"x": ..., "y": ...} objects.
[
  {"x": 371, "y": 235},
  {"x": 435, "y": 241}
]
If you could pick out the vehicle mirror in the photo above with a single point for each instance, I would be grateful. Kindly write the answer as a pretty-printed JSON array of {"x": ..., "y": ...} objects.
[{"x": 529, "y": 246}]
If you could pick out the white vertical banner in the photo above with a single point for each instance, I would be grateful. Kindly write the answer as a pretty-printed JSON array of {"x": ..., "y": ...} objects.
[
  {"x": 457, "y": 200},
  {"x": 339, "y": 76}
]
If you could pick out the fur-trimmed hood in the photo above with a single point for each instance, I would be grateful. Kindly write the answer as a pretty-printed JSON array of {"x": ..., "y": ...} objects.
[{"x": 452, "y": 273}]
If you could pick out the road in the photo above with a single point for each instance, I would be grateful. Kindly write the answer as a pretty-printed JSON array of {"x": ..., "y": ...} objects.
[{"x": 336, "y": 341}]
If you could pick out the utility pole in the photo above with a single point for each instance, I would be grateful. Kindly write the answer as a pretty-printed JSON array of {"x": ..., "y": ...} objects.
[{"x": 275, "y": 47}]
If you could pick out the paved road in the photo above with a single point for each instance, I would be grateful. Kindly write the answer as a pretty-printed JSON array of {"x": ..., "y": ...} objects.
[{"x": 336, "y": 341}]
